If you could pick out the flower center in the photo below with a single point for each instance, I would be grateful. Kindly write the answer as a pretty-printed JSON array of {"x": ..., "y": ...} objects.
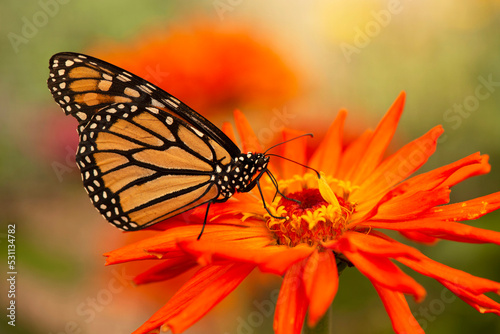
[
  {"x": 301, "y": 201},
  {"x": 309, "y": 219}
]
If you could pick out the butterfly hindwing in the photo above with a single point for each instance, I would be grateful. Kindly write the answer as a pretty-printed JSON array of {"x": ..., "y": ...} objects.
[{"x": 138, "y": 167}]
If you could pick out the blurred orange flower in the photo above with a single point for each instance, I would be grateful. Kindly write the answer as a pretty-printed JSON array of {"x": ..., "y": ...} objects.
[
  {"x": 333, "y": 225},
  {"x": 210, "y": 68}
]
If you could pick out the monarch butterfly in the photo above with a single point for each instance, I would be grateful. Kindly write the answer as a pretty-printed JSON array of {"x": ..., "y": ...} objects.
[{"x": 145, "y": 156}]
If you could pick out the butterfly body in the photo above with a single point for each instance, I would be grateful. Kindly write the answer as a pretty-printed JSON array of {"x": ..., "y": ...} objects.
[{"x": 144, "y": 156}]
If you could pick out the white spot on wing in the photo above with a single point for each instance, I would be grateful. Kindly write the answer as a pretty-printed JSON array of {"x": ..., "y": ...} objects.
[
  {"x": 123, "y": 78},
  {"x": 171, "y": 103},
  {"x": 153, "y": 110},
  {"x": 157, "y": 103},
  {"x": 199, "y": 133},
  {"x": 145, "y": 89}
]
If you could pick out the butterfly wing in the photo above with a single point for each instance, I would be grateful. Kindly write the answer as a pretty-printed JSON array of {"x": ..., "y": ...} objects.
[
  {"x": 82, "y": 85},
  {"x": 144, "y": 155},
  {"x": 140, "y": 167}
]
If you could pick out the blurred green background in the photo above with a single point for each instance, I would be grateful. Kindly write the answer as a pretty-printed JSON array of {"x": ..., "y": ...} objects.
[{"x": 356, "y": 55}]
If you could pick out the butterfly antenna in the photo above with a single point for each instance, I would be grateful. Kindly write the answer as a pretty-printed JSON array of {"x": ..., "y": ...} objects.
[
  {"x": 286, "y": 141},
  {"x": 295, "y": 162},
  {"x": 282, "y": 157}
]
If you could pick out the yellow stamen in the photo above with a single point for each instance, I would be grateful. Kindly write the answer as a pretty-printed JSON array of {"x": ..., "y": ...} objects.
[{"x": 313, "y": 211}]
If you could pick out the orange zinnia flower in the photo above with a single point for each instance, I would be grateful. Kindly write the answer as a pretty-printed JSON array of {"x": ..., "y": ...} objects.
[{"x": 331, "y": 222}]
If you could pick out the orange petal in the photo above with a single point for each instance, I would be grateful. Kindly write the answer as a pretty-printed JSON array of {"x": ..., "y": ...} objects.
[
  {"x": 439, "y": 176},
  {"x": 396, "y": 206},
  {"x": 296, "y": 151},
  {"x": 378, "y": 268},
  {"x": 424, "y": 182},
  {"x": 227, "y": 128},
  {"x": 249, "y": 141},
  {"x": 196, "y": 297},
  {"x": 274, "y": 259},
  {"x": 468, "y": 210},
  {"x": 352, "y": 155},
  {"x": 398, "y": 166},
  {"x": 292, "y": 302},
  {"x": 382, "y": 271},
  {"x": 419, "y": 237},
  {"x": 241, "y": 202},
  {"x": 321, "y": 282},
  {"x": 166, "y": 270},
  {"x": 443, "y": 230},
  {"x": 166, "y": 242},
  {"x": 138, "y": 250},
  {"x": 375, "y": 243},
  {"x": 327, "y": 156},
  {"x": 399, "y": 312},
  {"x": 481, "y": 303},
  {"x": 482, "y": 168},
  {"x": 411, "y": 205},
  {"x": 380, "y": 140},
  {"x": 455, "y": 277}
]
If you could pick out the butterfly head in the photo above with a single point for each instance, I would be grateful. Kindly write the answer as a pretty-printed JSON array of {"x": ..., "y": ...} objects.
[
  {"x": 261, "y": 161},
  {"x": 253, "y": 164}
]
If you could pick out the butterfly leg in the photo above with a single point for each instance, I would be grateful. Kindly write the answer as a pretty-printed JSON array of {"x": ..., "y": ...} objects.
[
  {"x": 205, "y": 220},
  {"x": 275, "y": 183},
  {"x": 264, "y": 203}
]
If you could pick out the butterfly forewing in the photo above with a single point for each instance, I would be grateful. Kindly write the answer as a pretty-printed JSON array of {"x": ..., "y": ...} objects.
[{"x": 82, "y": 85}]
